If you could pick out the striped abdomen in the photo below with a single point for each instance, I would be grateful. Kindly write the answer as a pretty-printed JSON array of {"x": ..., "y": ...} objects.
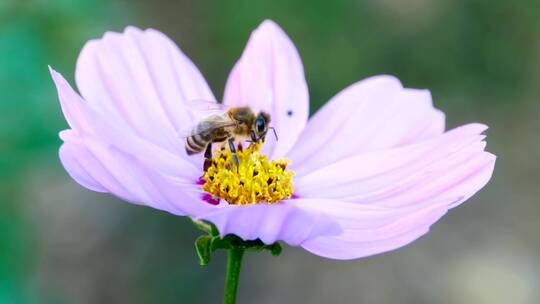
[
  {"x": 195, "y": 144},
  {"x": 203, "y": 134}
]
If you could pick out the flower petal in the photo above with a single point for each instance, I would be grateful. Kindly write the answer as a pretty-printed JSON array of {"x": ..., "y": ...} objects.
[
  {"x": 283, "y": 221},
  {"x": 98, "y": 166},
  {"x": 140, "y": 79},
  {"x": 373, "y": 114},
  {"x": 270, "y": 77},
  {"x": 369, "y": 230},
  {"x": 87, "y": 120},
  {"x": 449, "y": 166},
  {"x": 68, "y": 156}
]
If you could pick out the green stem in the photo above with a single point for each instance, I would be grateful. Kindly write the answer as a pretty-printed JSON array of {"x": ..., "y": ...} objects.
[{"x": 234, "y": 262}]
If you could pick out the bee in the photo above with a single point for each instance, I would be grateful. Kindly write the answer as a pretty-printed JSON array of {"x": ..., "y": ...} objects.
[{"x": 236, "y": 122}]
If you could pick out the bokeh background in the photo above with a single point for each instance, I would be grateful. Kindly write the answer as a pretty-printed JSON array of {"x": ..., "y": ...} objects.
[{"x": 60, "y": 243}]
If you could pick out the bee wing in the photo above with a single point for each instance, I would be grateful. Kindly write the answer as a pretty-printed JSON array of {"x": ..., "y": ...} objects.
[
  {"x": 200, "y": 109},
  {"x": 215, "y": 122}
]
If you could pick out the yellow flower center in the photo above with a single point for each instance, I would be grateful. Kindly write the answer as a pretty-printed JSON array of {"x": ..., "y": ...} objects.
[{"x": 254, "y": 180}]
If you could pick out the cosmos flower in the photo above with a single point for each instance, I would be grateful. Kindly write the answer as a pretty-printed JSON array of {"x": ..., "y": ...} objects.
[{"x": 370, "y": 172}]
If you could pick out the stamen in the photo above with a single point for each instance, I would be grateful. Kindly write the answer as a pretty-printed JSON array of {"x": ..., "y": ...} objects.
[{"x": 255, "y": 180}]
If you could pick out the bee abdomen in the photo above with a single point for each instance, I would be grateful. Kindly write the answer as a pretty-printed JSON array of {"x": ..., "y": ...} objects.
[{"x": 195, "y": 144}]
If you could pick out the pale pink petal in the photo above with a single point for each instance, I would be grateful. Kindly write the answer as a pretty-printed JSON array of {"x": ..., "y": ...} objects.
[
  {"x": 86, "y": 120},
  {"x": 284, "y": 221},
  {"x": 453, "y": 165},
  {"x": 374, "y": 114},
  {"x": 124, "y": 176},
  {"x": 270, "y": 77},
  {"x": 140, "y": 79},
  {"x": 369, "y": 230},
  {"x": 89, "y": 166},
  {"x": 68, "y": 157}
]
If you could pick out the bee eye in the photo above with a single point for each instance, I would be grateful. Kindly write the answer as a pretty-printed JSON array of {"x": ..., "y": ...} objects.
[{"x": 260, "y": 124}]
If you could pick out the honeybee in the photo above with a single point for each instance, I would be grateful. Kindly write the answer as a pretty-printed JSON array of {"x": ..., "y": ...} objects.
[{"x": 236, "y": 122}]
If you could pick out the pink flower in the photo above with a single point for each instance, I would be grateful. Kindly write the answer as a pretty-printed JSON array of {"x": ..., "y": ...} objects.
[{"x": 373, "y": 168}]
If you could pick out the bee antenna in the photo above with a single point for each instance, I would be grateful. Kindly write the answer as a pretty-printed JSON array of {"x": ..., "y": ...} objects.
[{"x": 275, "y": 133}]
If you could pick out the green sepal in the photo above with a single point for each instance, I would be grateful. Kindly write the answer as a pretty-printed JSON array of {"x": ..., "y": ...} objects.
[
  {"x": 213, "y": 230},
  {"x": 212, "y": 241},
  {"x": 205, "y": 226},
  {"x": 219, "y": 243},
  {"x": 275, "y": 249},
  {"x": 233, "y": 241},
  {"x": 202, "y": 246}
]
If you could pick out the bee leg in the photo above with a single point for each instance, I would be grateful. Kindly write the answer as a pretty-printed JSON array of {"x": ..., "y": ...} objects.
[
  {"x": 233, "y": 151},
  {"x": 208, "y": 151},
  {"x": 253, "y": 137},
  {"x": 207, "y": 157}
]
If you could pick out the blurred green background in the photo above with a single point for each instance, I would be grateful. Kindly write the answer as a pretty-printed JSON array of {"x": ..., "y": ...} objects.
[{"x": 60, "y": 243}]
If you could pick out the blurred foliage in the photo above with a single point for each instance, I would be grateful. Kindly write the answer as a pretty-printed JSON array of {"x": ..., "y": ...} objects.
[
  {"x": 34, "y": 34},
  {"x": 473, "y": 55}
]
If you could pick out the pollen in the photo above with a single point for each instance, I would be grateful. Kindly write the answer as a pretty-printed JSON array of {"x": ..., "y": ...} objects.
[{"x": 256, "y": 179}]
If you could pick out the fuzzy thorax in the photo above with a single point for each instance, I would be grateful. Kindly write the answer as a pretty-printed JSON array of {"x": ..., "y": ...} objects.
[{"x": 255, "y": 180}]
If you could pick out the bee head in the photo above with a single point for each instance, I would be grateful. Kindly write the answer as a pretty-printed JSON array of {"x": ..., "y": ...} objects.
[{"x": 260, "y": 127}]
